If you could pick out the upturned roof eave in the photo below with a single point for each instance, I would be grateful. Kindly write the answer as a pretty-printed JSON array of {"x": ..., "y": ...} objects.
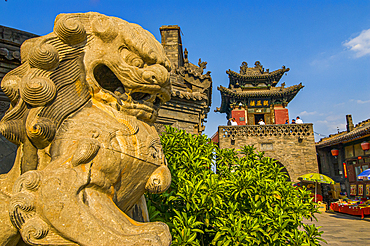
[{"x": 289, "y": 91}]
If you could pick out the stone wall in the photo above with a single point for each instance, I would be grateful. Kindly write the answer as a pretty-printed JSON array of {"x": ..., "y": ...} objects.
[{"x": 293, "y": 145}]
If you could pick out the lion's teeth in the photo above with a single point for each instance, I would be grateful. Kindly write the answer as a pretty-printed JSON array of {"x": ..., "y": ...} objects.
[
  {"x": 119, "y": 91},
  {"x": 123, "y": 96},
  {"x": 151, "y": 98}
]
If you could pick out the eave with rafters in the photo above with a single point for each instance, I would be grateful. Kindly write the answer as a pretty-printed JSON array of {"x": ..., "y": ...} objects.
[{"x": 278, "y": 95}]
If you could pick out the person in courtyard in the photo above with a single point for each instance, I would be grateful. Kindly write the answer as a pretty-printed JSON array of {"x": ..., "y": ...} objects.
[
  {"x": 233, "y": 122},
  {"x": 229, "y": 122},
  {"x": 286, "y": 122},
  {"x": 293, "y": 121},
  {"x": 298, "y": 120},
  {"x": 261, "y": 122},
  {"x": 326, "y": 197}
]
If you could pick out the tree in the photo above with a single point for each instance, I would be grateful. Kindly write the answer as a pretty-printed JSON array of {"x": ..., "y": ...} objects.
[{"x": 248, "y": 202}]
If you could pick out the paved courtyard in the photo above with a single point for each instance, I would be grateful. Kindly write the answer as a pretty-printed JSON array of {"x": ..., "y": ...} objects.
[{"x": 343, "y": 230}]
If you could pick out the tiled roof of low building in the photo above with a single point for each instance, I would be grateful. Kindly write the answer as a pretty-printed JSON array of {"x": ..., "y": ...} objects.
[{"x": 361, "y": 130}]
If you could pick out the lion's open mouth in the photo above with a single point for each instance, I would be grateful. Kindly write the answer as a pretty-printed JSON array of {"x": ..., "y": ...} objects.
[{"x": 111, "y": 84}]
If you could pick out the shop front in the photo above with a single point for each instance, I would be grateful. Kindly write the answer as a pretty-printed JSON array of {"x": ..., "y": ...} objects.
[
  {"x": 343, "y": 156},
  {"x": 356, "y": 164}
]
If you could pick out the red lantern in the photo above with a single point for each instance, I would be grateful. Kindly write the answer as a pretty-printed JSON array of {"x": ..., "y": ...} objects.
[
  {"x": 365, "y": 146},
  {"x": 334, "y": 152}
]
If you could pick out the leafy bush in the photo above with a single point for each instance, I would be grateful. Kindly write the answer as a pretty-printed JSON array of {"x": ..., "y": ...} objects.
[{"x": 248, "y": 202}]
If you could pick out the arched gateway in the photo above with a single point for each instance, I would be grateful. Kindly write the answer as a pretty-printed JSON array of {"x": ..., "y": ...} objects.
[{"x": 284, "y": 170}]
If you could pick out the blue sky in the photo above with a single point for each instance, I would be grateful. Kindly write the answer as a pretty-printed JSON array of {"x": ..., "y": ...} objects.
[{"x": 326, "y": 45}]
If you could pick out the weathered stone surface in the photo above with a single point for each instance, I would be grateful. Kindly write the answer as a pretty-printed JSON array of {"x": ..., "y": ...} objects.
[
  {"x": 83, "y": 104},
  {"x": 292, "y": 145}
]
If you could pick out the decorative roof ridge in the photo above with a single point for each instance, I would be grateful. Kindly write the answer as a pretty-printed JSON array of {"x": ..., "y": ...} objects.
[
  {"x": 262, "y": 75},
  {"x": 188, "y": 95},
  {"x": 282, "y": 90},
  {"x": 193, "y": 70},
  {"x": 362, "y": 123},
  {"x": 361, "y": 129}
]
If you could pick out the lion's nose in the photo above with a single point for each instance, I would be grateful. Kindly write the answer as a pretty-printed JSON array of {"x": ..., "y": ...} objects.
[
  {"x": 159, "y": 181},
  {"x": 150, "y": 76},
  {"x": 156, "y": 74}
]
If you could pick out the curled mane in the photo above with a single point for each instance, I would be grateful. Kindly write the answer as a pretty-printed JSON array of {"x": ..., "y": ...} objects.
[{"x": 48, "y": 86}]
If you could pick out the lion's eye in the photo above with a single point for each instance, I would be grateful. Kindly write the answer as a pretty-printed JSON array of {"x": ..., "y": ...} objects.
[
  {"x": 137, "y": 62},
  {"x": 132, "y": 59}
]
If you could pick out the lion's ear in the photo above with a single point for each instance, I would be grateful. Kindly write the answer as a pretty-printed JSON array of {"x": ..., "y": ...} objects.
[{"x": 105, "y": 28}]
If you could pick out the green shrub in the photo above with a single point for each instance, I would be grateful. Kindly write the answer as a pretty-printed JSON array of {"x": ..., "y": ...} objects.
[{"x": 248, "y": 202}]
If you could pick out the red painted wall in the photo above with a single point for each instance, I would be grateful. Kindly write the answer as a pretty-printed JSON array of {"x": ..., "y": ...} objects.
[
  {"x": 214, "y": 138},
  {"x": 281, "y": 115},
  {"x": 237, "y": 114}
]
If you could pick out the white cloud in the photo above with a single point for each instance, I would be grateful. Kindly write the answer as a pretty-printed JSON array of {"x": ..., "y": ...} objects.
[
  {"x": 339, "y": 104},
  {"x": 304, "y": 113},
  {"x": 360, "y": 44},
  {"x": 333, "y": 128},
  {"x": 325, "y": 62},
  {"x": 323, "y": 122},
  {"x": 332, "y": 118},
  {"x": 362, "y": 102}
]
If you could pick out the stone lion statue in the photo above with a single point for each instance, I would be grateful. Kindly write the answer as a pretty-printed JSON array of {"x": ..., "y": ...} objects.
[{"x": 82, "y": 106}]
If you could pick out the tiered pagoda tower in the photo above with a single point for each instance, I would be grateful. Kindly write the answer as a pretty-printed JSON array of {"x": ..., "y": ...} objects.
[{"x": 253, "y": 95}]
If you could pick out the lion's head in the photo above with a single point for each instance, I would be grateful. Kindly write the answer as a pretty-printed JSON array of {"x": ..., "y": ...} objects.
[{"x": 88, "y": 56}]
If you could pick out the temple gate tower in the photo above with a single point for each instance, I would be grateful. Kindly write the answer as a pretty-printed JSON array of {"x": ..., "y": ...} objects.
[
  {"x": 191, "y": 93},
  {"x": 252, "y": 95}
]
